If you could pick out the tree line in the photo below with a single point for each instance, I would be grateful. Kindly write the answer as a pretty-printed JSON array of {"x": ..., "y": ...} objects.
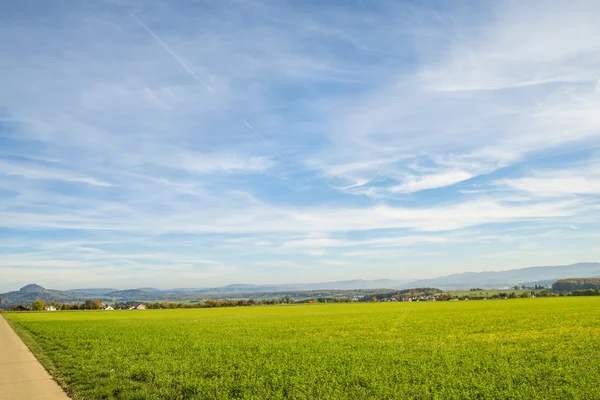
[
  {"x": 219, "y": 303},
  {"x": 40, "y": 305}
]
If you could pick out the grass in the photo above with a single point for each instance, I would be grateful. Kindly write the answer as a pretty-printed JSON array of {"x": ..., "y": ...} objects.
[{"x": 513, "y": 349}]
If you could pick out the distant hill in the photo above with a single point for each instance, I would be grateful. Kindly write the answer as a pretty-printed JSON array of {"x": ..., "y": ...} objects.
[
  {"x": 336, "y": 285},
  {"x": 500, "y": 279},
  {"x": 31, "y": 288},
  {"x": 576, "y": 284},
  {"x": 128, "y": 293},
  {"x": 92, "y": 291}
]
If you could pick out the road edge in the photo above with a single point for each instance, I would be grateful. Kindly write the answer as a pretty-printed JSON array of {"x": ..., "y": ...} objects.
[{"x": 38, "y": 352}]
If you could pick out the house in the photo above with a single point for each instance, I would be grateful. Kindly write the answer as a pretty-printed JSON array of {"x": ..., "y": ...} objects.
[
  {"x": 107, "y": 307},
  {"x": 50, "y": 308},
  {"x": 140, "y": 307}
]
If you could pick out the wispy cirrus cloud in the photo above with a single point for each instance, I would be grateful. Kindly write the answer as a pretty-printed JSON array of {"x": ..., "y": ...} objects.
[
  {"x": 47, "y": 173},
  {"x": 305, "y": 134},
  {"x": 571, "y": 181}
]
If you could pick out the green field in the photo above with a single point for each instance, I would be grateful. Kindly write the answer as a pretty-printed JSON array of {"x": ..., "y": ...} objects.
[{"x": 521, "y": 349}]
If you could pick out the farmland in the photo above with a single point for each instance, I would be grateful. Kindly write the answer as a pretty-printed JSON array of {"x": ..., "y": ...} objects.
[{"x": 523, "y": 348}]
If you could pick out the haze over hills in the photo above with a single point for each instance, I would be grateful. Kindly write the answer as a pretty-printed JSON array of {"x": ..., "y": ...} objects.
[
  {"x": 251, "y": 288},
  {"x": 490, "y": 279},
  {"x": 93, "y": 291},
  {"x": 336, "y": 285},
  {"x": 498, "y": 279}
]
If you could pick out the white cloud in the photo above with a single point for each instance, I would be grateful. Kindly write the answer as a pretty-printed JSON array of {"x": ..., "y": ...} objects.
[
  {"x": 242, "y": 216},
  {"x": 416, "y": 184},
  {"x": 555, "y": 44},
  {"x": 577, "y": 180},
  {"x": 47, "y": 173},
  {"x": 455, "y": 115}
]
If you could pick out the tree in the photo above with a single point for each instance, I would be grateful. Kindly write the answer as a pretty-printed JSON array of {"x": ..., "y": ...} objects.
[
  {"x": 88, "y": 305},
  {"x": 38, "y": 305},
  {"x": 446, "y": 296},
  {"x": 96, "y": 304}
]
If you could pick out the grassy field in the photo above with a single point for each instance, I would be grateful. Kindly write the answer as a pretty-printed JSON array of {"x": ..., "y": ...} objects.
[{"x": 505, "y": 349}]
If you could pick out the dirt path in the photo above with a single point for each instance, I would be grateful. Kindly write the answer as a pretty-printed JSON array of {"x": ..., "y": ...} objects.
[{"x": 21, "y": 374}]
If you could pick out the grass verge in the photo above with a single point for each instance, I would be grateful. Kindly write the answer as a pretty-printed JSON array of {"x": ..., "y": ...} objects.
[{"x": 42, "y": 357}]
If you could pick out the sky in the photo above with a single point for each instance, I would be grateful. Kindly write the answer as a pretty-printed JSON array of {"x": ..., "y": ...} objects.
[{"x": 202, "y": 143}]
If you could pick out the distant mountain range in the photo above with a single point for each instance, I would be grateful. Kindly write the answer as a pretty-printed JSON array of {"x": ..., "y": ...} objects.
[
  {"x": 511, "y": 277},
  {"x": 248, "y": 288},
  {"x": 290, "y": 287},
  {"x": 486, "y": 280},
  {"x": 93, "y": 291}
]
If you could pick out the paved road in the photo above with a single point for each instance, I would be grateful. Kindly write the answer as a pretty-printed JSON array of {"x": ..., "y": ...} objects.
[{"x": 21, "y": 374}]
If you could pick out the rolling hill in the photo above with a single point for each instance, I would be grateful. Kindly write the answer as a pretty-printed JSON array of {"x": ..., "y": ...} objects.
[{"x": 501, "y": 279}]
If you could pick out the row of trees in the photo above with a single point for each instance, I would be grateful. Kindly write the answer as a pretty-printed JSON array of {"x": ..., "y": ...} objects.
[
  {"x": 221, "y": 303},
  {"x": 587, "y": 292},
  {"x": 40, "y": 305}
]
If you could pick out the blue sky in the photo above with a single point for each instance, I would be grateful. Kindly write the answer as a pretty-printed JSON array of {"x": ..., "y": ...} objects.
[{"x": 193, "y": 144}]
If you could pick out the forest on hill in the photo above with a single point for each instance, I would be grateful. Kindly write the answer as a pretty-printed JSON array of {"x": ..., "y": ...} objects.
[{"x": 571, "y": 284}]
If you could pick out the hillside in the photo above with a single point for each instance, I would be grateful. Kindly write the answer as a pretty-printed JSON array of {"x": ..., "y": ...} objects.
[
  {"x": 500, "y": 279},
  {"x": 92, "y": 291},
  {"x": 28, "y": 294},
  {"x": 335, "y": 285},
  {"x": 571, "y": 284}
]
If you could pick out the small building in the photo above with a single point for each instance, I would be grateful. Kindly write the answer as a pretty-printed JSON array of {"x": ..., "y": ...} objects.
[
  {"x": 107, "y": 308},
  {"x": 141, "y": 307},
  {"x": 50, "y": 308}
]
